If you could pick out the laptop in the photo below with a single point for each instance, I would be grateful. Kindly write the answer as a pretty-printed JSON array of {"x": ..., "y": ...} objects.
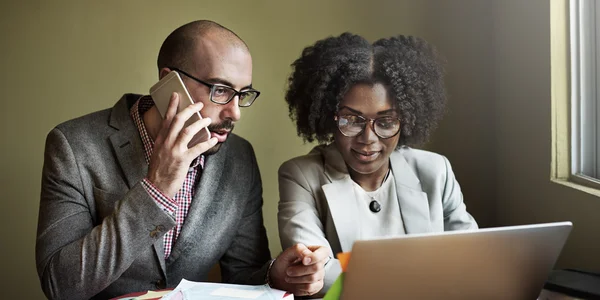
[{"x": 494, "y": 263}]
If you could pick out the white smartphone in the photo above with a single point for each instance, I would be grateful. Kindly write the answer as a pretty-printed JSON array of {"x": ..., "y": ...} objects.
[{"x": 161, "y": 94}]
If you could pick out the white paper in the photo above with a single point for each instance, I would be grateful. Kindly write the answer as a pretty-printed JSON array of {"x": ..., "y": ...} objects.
[
  {"x": 237, "y": 293},
  {"x": 189, "y": 290}
]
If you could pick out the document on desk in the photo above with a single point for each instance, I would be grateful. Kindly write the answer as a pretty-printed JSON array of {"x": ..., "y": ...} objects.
[{"x": 190, "y": 290}]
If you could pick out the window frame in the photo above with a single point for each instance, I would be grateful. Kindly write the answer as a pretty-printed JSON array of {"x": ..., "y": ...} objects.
[{"x": 585, "y": 94}]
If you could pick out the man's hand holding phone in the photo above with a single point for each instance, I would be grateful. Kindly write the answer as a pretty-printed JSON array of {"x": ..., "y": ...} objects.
[{"x": 171, "y": 157}]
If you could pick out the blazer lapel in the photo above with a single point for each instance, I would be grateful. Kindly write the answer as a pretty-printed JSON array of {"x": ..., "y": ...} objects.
[
  {"x": 128, "y": 148},
  {"x": 413, "y": 202},
  {"x": 127, "y": 143},
  {"x": 340, "y": 197}
]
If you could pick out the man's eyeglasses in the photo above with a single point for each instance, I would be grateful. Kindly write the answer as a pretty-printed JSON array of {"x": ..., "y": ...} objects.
[
  {"x": 353, "y": 125},
  {"x": 222, "y": 94}
]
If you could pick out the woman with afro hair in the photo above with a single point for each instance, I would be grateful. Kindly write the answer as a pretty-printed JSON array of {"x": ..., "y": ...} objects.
[{"x": 366, "y": 105}]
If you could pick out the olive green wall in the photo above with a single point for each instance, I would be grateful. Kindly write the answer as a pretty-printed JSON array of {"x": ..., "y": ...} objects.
[{"x": 63, "y": 59}]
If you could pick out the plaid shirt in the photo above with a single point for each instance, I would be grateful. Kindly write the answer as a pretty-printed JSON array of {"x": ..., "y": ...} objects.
[{"x": 179, "y": 206}]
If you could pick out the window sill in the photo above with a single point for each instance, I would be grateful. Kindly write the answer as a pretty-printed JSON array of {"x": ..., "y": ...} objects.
[{"x": 578, "y": 186}]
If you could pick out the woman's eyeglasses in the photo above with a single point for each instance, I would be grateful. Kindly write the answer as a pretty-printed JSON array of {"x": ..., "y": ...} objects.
[{"x": 353, "y": 125}]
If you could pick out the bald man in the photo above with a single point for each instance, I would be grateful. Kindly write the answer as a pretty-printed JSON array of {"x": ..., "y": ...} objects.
[{"x": 127, "y": 206}]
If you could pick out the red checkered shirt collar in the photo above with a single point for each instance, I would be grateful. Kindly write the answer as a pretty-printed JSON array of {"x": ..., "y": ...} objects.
[{"x": 137, "y": 111}]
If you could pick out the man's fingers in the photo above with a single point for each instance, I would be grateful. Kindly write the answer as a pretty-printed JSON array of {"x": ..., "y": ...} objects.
[
  {"x": 172, "y": 108},
  {"x": 202, "y": 147},
  {"x": 168, "y": 117},
  {"x": 180, "y": 118},
  {"x": 187, "y": 133},
  {"x": 303, "y": 252},
  {"x": 308, "y": 255},
  {"x": 302, "y": 270},
  {"x": 307, "y": 289},
  {"x": 311, "y": 278},
  {"x": 317, "y": 254},
  {"x": 291, "y": 274},
  {"x": 294, "y": 253}
]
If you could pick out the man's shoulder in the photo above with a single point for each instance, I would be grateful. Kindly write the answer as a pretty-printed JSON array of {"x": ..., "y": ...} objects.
[
  {"x": 84, "y": 135},
  {"x": 91, "y": 120},
  {"x": 238, "y": 149},
  {"x": 240, "y": 146},
  {"x": 99, "y": 121},
  {"x": 238, "y": 141}
]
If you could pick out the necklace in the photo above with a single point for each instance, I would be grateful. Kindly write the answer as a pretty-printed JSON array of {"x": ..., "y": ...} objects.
[{"x": 374, "y": 205}]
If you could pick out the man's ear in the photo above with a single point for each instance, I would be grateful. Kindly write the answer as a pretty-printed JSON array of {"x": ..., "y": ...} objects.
[{"x": 163, "y": 72}]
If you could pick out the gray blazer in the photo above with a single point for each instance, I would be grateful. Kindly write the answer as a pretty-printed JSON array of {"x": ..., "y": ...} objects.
[
  {"x": 100, "y": 234},
  {"x": 314, "y": 190}
]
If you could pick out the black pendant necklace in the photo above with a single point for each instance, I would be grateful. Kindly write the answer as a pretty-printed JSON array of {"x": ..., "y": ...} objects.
[{"x": 374, "y": 206}]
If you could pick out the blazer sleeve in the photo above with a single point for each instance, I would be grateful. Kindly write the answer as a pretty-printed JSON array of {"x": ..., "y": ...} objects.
[
  {"x": 456, "y": 216},
  {"x": 76, "y": 259},
  {"x": 247, "y": 258},
  {"x": 298, "y": 217}
]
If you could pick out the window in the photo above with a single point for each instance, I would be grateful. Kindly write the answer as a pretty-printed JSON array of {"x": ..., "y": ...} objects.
[{"x": 585, "y": 92}]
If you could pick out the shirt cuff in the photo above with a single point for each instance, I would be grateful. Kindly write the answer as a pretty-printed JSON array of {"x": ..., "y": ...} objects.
[{"x": 165, "y": 203}]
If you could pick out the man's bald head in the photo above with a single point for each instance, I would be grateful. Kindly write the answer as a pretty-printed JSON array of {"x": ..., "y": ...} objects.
[{"x": 178, "y": 48}]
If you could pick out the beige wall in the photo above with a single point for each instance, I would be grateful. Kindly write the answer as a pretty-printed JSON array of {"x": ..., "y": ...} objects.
[
  {"x": 523, "y": 136},
  {"x": 63, "y": 59}
]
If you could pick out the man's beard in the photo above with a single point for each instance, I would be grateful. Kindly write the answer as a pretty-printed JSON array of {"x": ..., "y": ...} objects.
[{"x": 225, "y": 125}]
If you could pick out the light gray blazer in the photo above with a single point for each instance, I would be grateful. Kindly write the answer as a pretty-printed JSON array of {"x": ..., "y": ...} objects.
[
  {"x": 100, "y": 234},
  {"x": 314, "y": 190}
]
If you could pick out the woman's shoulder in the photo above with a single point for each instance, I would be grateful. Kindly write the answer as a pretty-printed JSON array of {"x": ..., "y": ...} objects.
[
  {"x": 418, "y": 154},
  {"x": 314, "y": 160},
  {"x": 422, "y": 160}
]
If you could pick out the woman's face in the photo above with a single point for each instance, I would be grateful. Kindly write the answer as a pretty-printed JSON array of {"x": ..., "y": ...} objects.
[{"x": 366, "y": 153}]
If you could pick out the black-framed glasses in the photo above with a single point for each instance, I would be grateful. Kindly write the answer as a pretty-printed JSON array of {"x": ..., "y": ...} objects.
[
  {"x": 222, "y": 94},
  {"x": 353, "y": 125}
]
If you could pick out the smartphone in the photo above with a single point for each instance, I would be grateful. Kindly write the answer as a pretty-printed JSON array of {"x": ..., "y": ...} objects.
[{"x": 161, "y": 94}]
